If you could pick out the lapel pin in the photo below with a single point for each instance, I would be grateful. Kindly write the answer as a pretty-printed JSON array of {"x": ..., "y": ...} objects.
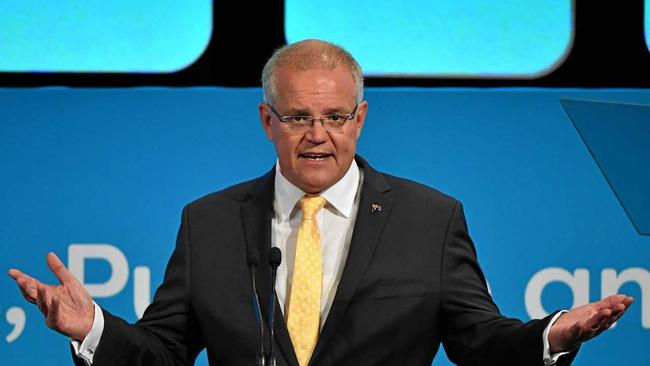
[{"x": 375, "y": 208}]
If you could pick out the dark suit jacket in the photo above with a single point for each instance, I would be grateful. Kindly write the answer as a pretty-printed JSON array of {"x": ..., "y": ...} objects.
[{"x": 410, "y": 282}]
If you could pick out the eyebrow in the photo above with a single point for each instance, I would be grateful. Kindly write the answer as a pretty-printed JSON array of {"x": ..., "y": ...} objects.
[
  {"x": 338, "y": 110},
  {"x": 305, "y": 112},
  {"x": 297, "y": 112}
]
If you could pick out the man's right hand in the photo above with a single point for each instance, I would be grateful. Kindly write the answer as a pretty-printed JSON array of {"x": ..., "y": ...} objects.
[{"x": 67, "y": 308}]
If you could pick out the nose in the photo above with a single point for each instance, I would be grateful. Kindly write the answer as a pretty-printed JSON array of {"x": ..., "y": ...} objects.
[{"x": 317, "y": 132}]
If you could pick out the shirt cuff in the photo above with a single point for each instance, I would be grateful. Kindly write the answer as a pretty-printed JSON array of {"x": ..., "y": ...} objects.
[
  {"x": 551, "y": 359},
  {"x": 86, "y": 349}
]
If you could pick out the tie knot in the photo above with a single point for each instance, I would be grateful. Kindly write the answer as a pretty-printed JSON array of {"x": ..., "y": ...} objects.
[{"x": 310, "y": 206}]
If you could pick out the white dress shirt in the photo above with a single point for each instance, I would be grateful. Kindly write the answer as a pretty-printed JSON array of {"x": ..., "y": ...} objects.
[{"x": 336, "y": 223}]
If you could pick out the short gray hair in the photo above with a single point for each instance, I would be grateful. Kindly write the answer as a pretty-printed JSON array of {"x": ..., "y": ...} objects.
[{"x": 308, "y": 55}]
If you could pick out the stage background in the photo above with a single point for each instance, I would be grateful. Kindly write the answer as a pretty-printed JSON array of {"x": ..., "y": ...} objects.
[{"x": 116, "y": 167}]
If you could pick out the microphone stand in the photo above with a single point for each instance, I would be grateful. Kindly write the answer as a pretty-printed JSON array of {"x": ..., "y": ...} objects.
[
  {"x": 253, "y": 261},
  {"x": 275, "y": 258}
]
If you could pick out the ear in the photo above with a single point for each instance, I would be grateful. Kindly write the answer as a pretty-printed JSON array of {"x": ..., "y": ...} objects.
[
  {"x": 265, "y": 119},
  {"x": 361, "y": 117}
]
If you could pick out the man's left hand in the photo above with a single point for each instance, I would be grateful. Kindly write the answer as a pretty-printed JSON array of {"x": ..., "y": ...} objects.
[{"x": 585, "y": 322}]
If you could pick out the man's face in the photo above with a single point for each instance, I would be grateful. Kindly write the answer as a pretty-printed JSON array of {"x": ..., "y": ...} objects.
[{"x": 317, "y": 159}]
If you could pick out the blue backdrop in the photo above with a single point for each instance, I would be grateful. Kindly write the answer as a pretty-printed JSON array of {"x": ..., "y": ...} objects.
[{"x": 103, "y": 174}]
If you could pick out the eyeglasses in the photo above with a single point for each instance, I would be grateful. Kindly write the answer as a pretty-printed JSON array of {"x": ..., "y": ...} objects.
[{"x": 300, "y": 124}]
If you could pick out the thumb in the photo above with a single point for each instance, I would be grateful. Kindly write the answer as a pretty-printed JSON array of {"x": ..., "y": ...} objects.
[{"x": 58, "y": 268}]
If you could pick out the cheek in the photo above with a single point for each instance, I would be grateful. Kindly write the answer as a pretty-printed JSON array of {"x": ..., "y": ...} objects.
[
  {"x": 346, "y": 144},
  {"x": 286, "y": 145}
]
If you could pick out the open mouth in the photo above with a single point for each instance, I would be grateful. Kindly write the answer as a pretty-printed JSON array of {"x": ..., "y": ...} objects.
[{"x": 314, "y": 156}]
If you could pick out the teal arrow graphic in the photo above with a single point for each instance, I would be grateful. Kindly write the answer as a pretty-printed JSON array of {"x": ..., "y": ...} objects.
[{"x": 618, "y": 137}]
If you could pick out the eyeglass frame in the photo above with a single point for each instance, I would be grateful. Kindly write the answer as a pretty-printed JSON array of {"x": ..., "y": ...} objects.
[{"x": 311, "y": 119}]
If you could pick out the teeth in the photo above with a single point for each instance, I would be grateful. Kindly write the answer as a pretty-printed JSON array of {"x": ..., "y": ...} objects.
[{"x": 315, "y": 156}]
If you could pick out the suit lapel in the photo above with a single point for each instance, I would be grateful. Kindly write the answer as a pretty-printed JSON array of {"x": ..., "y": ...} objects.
[
  {"x": 256, "y": 216},
  {"x": 374, "y": 208}
]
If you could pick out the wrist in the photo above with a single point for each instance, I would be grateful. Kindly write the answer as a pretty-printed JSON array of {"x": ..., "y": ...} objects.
[
  {"x": 87, "y": 325},
  {"x": 555, "y": 337}
]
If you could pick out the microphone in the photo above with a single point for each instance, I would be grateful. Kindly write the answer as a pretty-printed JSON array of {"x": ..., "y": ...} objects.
[
  {"x": 253, "y": 257},
  {"x": 275, "y": 258}
]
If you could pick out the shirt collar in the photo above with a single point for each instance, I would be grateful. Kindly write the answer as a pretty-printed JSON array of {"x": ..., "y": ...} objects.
[{"x": 340, "y": 196}]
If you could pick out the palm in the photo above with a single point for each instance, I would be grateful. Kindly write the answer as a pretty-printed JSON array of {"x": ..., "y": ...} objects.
[
  {"x": 586, "y": 322},
  {"x": 67, "y": 307}
]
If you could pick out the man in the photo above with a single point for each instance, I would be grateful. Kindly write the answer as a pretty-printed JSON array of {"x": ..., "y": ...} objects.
[{"x": 378, "y": 270}]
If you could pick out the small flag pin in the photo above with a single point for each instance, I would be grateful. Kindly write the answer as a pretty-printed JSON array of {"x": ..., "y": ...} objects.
[{"x": 375, "y": 208}]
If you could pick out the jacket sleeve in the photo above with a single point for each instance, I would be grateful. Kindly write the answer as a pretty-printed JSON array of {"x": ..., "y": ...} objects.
[
  {"x": 168, "y": 333},
  {"x": 475, "y": 332}
]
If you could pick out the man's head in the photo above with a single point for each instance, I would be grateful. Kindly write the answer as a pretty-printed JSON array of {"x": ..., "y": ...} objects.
[{"x": 313, "y": 78}]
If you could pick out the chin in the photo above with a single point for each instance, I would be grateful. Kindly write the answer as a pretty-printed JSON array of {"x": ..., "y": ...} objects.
[{"x": 316, "y": 186}]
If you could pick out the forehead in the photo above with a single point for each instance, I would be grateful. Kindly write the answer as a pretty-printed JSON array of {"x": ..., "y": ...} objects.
[{"x": 314, "y": 86}]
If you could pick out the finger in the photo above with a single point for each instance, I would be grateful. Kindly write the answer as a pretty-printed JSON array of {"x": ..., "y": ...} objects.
[
  {"x": 27, "y": 290},
  {"x": 17, "y": 274},
  {"x": 619, "y": 314},
  {"x": 597, "y": 319},
  {"x": 53, "y": 314},
  {"x": 14, "y": 273},
  {"x": 58, "y": 268},
  {"x": 618, "y": 310},
  {"x": 588, "y": 332},
  {"x": 601, "y": 329},
  {"x": 604, "y": 322},
  {"x": 613, "y": 300},
  {"x": 577, "y": 333},
  {"x": 616, "y": 315},
  {"x": 28, "y": 286},
  {"x": 41, "y": 300}
]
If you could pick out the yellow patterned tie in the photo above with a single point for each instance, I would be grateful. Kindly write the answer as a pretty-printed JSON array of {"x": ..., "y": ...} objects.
[{"x": 303, "y": 314}]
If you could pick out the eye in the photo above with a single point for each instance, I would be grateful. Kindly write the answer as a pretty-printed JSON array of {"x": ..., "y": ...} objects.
[
  {"x": 334, "y": 117},
  {"x": 296, "y": 119}
]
